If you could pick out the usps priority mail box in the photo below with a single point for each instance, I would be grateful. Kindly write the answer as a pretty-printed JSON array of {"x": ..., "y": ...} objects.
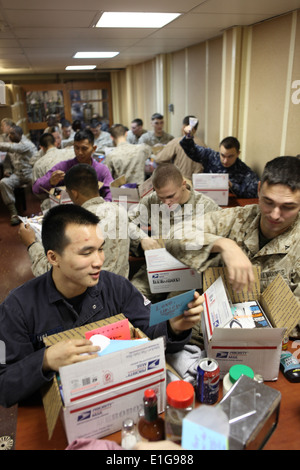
[
  {"x": 258, "y": 347},
  {"x": 213, "y": 185},
  {"x": 167, "y": 274}
]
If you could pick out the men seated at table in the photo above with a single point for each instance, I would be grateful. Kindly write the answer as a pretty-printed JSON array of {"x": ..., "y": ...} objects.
[
  {"x": 264, "y": 234},
  {"x": 82, "y": 186},
  {"x": 171, "y": 195},
  {"x": 19, "y": 173},
  {"x": 174, "y": 153},
  {"x": 76, "y": 291},
  {"x": 125, "y": 158},
  {"x": 242, "y": 180},
  {"x": 84, "y": 149}
]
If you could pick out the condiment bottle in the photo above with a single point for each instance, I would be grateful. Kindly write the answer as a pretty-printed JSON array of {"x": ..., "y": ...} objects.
[
  {"x": 234, "y": 374},
  {"x": 180, "y": 400},
  {"x": 150, "y": 426},
  {"x": 129, "y": 436}
]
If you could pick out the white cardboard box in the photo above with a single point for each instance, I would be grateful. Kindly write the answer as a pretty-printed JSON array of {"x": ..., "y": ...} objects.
[
  {"x": 99, "y": 394},
  {"x": 129, "y": 196},
  {"x": 213, "y": 185},
  {"x": 259, "y": 348},
  {"x": 167, "y": 274}
]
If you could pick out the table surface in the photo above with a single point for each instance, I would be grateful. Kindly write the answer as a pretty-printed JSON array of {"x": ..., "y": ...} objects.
[{"x": 31, "y": 431}]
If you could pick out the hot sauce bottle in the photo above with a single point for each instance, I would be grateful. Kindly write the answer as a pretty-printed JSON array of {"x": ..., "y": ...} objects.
[{"x": 150, "y": 426}]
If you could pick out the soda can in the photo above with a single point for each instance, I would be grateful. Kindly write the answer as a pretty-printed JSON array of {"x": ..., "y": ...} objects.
[{"x": 208, "y": 376}]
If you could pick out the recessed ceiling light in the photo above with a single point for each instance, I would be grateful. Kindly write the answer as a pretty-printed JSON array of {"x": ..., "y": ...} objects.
[
  {"x": 80, "y": 67},
  {"x": 135, "y": 20},
  {"x": 95, "y": 55}
]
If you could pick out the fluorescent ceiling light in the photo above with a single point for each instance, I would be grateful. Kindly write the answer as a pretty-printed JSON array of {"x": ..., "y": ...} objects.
[
  {"x": 135, "y": 20},
  {"x": 95, "y": 55},
  {"x": 80, "y": 67}
]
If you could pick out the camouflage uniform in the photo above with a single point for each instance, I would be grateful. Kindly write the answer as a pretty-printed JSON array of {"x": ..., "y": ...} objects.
[
  {"x": 129, "y": 160},
  {"x": 116, "y": 249},
  {"x": 151, "y": 139},
  {"x": 20, "y": 154},
  {"x": 104, "y": 140},
  {"x": 52, "y": 156},
  {"x": 132, "y": 138},
  {"x": 142, "y": 218},
  {"x": 241, "y": 224},
  {"x": 174, "y": 153}
]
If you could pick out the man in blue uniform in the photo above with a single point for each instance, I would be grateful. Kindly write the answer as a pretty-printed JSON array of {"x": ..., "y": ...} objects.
[
  {"x": 243, "y": 181},
  {"x": 73, "y": 293}
]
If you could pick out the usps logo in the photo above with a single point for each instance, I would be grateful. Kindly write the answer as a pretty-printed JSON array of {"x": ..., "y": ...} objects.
[
  {"x": 84, "y": 416},
  {"x": 153, "y": 364},
  {"x": 155, "y": 276},
  {"x": 222, "y": 355}
]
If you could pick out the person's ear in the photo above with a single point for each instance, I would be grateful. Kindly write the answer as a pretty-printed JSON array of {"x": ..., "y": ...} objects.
[
  {"x": 53, "y": 257},
  {"x": 258, "y": 188}
]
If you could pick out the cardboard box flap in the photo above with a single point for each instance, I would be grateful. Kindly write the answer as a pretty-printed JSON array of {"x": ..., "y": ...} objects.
[
  {"x": 78, "y": 333},
  {"x": 52, "y": 405},
  {"x": 212, "y": 274},
  {"x": 280, "y": 304},
  {"x": 266, "y": 337},
  {"x": 118, "y": 182}
]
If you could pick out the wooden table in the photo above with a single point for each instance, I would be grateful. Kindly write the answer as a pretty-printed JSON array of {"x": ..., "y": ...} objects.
[{"x": 31, "y": 432}]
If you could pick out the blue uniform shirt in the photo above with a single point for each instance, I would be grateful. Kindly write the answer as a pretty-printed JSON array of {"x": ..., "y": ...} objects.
[
  {"x": 37, "y": 309},
  {"x": 244, "y": 180}
]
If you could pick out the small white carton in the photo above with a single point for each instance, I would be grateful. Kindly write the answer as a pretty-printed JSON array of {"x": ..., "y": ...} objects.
[
  {"x": 167, "y": 274},
  {"x": 129, "y": 196},
  {"x": 213, "y": 185},
  {"x": 257, "y": 347},
  {"x": 94, "y": 397}
]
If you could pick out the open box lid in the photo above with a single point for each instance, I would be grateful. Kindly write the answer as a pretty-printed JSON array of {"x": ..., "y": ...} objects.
[
  {"x": 50, "y": 392},
  {"x": 278, "y": 301},
  {"x": 142, "y": 189}
]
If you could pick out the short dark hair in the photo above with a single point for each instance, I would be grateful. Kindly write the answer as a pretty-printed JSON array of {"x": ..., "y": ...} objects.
[
  {"x": 83, "y": 178},
  {"x": 17, "y": 130},
  {"x": 230, "y": 142},
  {"x": 137, "y": 121},
  {"x": 84, "y": 134},
  {"x": 118, "y": 130},
  {"x": 283, "y": 170},
  {"x": 164, "y": 173},
  {"x": 56, "y": 221},
  {"x": 186, "y": 121},
  {"x": 156, "y": 116},
  {"x": 46, "y": 140},
  {"x": 65, "y": 123}
]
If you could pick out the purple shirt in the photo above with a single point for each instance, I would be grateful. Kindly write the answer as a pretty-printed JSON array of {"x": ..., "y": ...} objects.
[{"x": 103, "y": 175}]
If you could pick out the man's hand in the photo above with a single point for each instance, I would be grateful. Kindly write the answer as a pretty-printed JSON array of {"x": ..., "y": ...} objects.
[
  {"x": 239, "y": 267},
  {"x": 56, "y": 177},
  {"x": 149, "y": 244},
  {"x": 190, "y": 317},
  {"x": 189, "y": 132},
  {"x": 68, "y": 352},
  {"x": 26, "y": 234}
]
